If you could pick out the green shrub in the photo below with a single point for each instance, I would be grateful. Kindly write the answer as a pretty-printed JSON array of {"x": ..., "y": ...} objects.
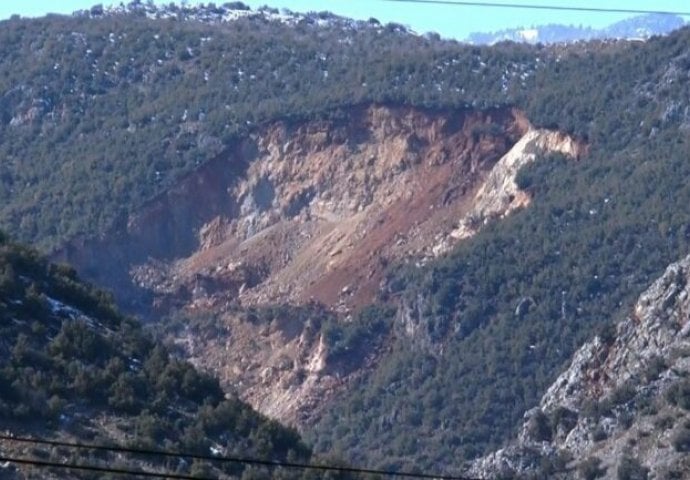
[
  {"x": 681, "y": 440},
  {"x": 631, "y": 469},
  {"x": 590, "y": 469},
  {"x": 679, "y": 394}
]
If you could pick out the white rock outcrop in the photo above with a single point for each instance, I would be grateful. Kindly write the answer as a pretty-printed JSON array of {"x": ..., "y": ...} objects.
[{"x": 500, "y": 195}]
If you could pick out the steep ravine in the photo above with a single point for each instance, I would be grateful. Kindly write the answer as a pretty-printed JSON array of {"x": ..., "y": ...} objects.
[{"x": 312, "y": 213}]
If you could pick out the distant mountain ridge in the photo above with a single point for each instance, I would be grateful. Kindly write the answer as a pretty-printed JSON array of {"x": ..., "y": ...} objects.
[{"x": 640, "y": 27}]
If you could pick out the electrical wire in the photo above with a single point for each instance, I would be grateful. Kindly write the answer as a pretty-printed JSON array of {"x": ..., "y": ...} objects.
[
  {"x": 226, "y": 459},
  {"x": 94, "y": 468},
  {"x": 460, "y": 3}
]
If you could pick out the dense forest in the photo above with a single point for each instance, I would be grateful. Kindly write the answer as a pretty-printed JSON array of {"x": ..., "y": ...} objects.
[{"x": 113, "y": 108}]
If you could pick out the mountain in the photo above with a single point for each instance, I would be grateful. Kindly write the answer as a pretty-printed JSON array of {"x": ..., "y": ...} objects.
[
  {"x": 393, "y": 243},
  {"x": 74, "y": 369},
  {"x": 644, "y": 26},
  {"x": 622, "y": 407},
  {"x": 641, "y": 27}
]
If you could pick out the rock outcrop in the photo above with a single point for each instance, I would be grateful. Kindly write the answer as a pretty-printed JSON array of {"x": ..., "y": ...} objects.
[
  {"x": 500, "y": 195},
  {"x": 622, "y": 405}
]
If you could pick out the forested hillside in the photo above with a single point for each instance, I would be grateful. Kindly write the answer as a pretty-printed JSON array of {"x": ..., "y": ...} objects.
[
  {"x": 73, "y": 368},
  {"x": 123, "y": 104},
  {"x": 499, "y": 316},
  {"x": 113, "y": 108}
]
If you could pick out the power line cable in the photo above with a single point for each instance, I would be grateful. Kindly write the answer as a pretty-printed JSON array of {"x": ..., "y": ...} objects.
[
  {"x": 227, "y": 459},
  {"x": 460, "y": 3},
  {"x": 94, "y": 468}
]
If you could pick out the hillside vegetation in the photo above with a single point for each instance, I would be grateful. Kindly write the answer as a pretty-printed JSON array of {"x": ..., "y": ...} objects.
[
  {"x": 73, "y": 367},
  {"x": 111, "y": 110},
  {"x": 497, "y": 318}
]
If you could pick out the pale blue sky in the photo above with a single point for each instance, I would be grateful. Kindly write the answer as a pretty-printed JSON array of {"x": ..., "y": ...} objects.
[{"x": 449, "y": 21}]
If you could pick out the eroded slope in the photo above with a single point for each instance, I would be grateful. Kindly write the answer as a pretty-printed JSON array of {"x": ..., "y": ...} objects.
[
  {"x": 325, "y": 207},
  {"x": 312, "y": 214}
]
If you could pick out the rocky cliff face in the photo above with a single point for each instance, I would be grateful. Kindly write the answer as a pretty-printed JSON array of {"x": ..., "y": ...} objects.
[
  {"x": 306, "y": 213},
  {"x": 499, "y": 194},
  {"x": 623, "y": 404}
]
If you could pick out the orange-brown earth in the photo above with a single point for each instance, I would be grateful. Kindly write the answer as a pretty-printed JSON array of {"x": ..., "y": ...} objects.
[
  {"x": 326, "y": 206},
  {"x": 313, "y": 212}
]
